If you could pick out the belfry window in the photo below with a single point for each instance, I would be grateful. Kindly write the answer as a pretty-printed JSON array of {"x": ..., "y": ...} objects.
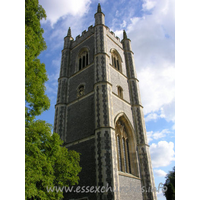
[
  {"x": 126, "y": 153},
  {"x": 116, "y": 60},
  {"x": 83, "y": 59}
]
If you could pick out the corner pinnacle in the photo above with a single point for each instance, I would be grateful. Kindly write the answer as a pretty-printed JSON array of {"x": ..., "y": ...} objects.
[
  {"x": 69, "y": 32},
  {"x": 99, "y": 8},
  {"x": 124, "y": 35}
]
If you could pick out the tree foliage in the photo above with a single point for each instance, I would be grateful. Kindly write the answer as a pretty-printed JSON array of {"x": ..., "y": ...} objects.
[
  {"x": 170, "y": 184},
  {"x": 35, "y": 72},
  {"x": 47, "y": 163}
]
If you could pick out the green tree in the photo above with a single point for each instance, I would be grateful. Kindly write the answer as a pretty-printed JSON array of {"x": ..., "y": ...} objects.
[
  {"x": 47, "y": 163},
  {"x": 170, "y": 184},
  {"x": 35, "y": 72}
]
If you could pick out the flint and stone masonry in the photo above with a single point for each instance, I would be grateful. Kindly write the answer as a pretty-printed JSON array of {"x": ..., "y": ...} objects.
[{"x": 100, "y": 115}]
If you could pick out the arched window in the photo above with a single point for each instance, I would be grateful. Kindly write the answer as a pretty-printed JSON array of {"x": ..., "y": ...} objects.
[
  {"x": 120, "y": 92},
  {"x": 116, "y": 60},
  {"x": 83, "y": 59},
  {"x": 126, "y": 151}
]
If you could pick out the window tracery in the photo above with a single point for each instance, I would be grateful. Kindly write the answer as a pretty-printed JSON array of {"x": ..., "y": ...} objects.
[
  {"x": 83, "y": 59},
  {"x": 116, "y": 60},
  {"x": 126, "y": 153}
]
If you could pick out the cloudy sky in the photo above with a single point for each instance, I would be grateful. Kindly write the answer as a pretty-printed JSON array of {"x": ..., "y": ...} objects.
[{"x": 150, "y": 24}]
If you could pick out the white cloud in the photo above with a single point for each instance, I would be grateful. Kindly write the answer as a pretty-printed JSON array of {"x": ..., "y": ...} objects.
[
  {"x": 168, "y": 111},
  {"x": 57, "y": 9},
  {"x": 55, "y": 37},
  {"x": 123, "y": 24},
  {"x": 134, "y": 20},
  {"x": 162, "y": 154},
  {"x": 157, "y": 90},
  {"x": 119, "y": 33},
  {"x": 152, "y": 38},
  {"x": 149, "y": 136},
  {"x": 160, "y": 173},
  {"x": 157, "y": 135},
  {"x": 148, "y": 4},
  {"x": 160, "y": 195},
  {"x": 161, "y": 134},
  {"x": 154, "y": 116},
  {"x": 151, "y": 116}
]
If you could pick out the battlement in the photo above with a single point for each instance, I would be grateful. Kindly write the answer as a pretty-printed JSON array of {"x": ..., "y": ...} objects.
[
  {"x": 111, "y": 34},
  {"x": 83, "y": 36},
  {"x": 90, "y": 31}
]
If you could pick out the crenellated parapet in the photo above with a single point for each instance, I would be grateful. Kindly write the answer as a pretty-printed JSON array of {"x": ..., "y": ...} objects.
[
  {"x": 85, "y": 34},
  {"x": 112, "y": 36},
  {"x": 91, "y": 29}
]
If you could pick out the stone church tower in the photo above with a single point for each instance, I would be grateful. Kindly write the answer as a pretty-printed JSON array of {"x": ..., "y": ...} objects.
[{"x": 99, "y": 114}]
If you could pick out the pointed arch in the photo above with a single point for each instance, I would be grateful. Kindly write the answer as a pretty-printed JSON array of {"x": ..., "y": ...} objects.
[
  {"x": 132, "y": 130},
  {"x": 82, "y": 58},
  {"x": 116, "y": 59},
  {"x": 126, "y": 145},
  {"x": 117, "y": 53}
]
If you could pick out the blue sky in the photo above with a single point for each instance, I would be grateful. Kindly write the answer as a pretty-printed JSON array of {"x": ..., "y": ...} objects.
[{"x": 150, "y": 24}]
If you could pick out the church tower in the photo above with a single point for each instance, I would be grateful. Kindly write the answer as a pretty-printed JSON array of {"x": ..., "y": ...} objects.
[{"x": 99, "y": 114}]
